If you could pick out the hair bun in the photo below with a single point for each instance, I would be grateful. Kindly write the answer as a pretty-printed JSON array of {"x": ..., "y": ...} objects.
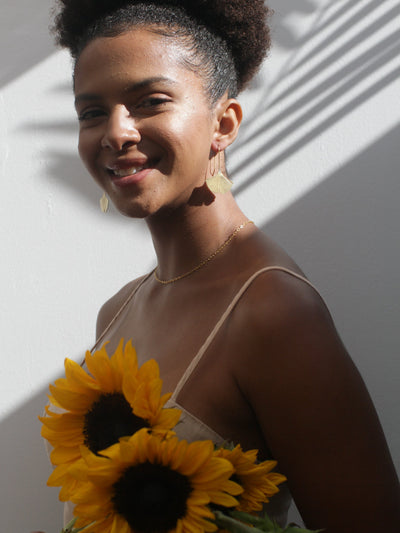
[{"x": 241, "y": 23}]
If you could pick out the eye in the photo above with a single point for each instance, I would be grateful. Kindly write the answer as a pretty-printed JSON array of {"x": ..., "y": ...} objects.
[
  {"x": 154, "y": 102},
  {"x": 90, "y": 114}
]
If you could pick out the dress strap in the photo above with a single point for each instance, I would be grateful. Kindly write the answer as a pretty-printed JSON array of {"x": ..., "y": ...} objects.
[
  {"x": 195, "y": 361},
  {"x": 118, "y": 313}
]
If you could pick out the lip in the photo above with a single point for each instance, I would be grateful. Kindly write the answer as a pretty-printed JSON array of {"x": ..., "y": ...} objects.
[{"x": 130, "y": 179}]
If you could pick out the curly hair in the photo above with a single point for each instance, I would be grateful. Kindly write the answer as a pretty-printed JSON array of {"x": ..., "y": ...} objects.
[{"x": 227, "y": 40}]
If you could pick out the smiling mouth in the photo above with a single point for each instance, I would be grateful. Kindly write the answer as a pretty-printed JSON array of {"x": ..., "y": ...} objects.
[{"x": 123, "y": 172}]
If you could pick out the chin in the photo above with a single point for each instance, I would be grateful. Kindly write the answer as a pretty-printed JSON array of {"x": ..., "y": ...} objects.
[{"x": 134, "y": 210}]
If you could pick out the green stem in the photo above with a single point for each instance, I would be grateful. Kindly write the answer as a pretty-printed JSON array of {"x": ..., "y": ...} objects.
[
  {"x": 237, "y": 522},
  {"x": 69, "y": 528},
  {"x": 232, "y": 525}
]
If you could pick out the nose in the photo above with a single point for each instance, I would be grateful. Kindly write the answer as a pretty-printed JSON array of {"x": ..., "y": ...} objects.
[{"x": 121, "y": 130}]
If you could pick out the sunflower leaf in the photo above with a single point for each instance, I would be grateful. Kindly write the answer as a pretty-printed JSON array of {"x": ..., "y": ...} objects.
[
  {"x": 297, "y": 529},
  {"x": 234, "y": 526}
]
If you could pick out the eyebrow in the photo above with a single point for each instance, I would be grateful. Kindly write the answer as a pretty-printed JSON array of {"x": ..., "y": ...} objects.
[{"x": 137, "y": 86}]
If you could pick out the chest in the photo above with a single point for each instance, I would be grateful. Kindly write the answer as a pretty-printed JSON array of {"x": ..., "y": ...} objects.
[
  {"x": 176, "y": 327},
  {"x": 170, "y": 325}
]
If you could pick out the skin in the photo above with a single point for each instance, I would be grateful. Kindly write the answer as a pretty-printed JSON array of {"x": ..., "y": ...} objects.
[{"x": 297, "y": 396}]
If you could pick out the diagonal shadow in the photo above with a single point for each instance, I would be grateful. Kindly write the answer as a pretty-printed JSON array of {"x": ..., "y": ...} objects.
[
  {"x": 355, "y": 40},
  {"x": 322, "y": 24},
  {"x": 327, "y": 232},
  {"x": 345, "y": 235},
  {"x": 333, "y": 118},
  {"x": 24, "y": 471},
  {"x": 327, "y": 93},
  {"x": 24, "y": 37},
  {"x": 356, "y": 71},
  {"x": 283, "y": 34}
]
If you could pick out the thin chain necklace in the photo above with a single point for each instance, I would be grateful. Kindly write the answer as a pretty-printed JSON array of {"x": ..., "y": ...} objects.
[{"x": 205, "y": 261}]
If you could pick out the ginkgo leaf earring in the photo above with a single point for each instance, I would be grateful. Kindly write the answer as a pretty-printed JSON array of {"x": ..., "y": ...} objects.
[
  {"x": 218, "y": 183},
  {"x": 104, "y": 203}
]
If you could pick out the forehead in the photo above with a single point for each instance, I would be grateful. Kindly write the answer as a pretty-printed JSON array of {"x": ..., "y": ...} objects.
[{"x": 132, "y": 56}]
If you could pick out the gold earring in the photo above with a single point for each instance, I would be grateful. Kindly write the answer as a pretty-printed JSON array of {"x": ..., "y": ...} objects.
[
  {"x": 104, "y": 203},
  {"x": 218, "y": 183}
]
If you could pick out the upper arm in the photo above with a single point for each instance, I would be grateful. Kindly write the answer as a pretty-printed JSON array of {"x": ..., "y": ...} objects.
[{"x": 317, "y": 417}]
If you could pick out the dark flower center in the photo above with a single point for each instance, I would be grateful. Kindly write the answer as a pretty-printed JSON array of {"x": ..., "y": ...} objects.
[
  {"x": 108, "y": 419},
  {"x": 151, "y": 497}
]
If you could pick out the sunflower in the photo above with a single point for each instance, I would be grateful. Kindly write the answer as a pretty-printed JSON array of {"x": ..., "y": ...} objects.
[
  {"x": 257, "y": 480},
  {"x": 148, "y": 484},
  {"x": 115, "y": 401}
]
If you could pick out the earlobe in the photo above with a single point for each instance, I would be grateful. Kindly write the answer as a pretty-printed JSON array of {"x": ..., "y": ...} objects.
[{"x": 229, "y": 116}]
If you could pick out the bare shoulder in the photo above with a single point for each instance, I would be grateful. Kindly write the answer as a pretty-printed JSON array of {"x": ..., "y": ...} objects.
[
  {"x": 112, "y": 306},
  {"x": 291, "y": 336},
  {"x": 280, "y": 300},
  {"x": 313, "y": 407}
]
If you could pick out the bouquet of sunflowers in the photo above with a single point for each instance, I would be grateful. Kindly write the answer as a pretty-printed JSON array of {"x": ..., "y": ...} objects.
[{"x": 118, "y": 460}]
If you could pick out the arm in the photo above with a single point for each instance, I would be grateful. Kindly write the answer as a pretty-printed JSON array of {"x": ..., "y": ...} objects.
[{"x": 316, "y": 414}]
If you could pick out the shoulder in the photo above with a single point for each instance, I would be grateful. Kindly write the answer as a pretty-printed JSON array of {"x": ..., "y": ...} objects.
[
  {"x": 312, "y": 406},
  {"x": 277, "y": 298},
  {"x": 287, "y": 333},
  {"x": 113, "y": 305}
]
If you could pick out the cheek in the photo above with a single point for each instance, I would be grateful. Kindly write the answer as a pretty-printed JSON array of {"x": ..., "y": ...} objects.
[
  {"x": 191, "y": 132},
  {"x": 86, "y": 148}
]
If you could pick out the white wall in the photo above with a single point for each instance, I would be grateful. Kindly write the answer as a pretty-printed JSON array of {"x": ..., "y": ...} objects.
[{"x": 316, "y": 165}]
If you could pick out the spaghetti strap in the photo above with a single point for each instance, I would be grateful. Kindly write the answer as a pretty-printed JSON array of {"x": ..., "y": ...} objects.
[
  {"x": 195, "y": 361},
  {"x": 118, "y": 313}
]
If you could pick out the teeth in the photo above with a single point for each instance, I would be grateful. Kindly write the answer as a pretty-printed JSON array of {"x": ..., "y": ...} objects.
[{"x": 127, "y": 172}]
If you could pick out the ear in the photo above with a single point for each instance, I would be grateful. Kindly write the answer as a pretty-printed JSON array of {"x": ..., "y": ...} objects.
[{"x": 228, "y": 115}]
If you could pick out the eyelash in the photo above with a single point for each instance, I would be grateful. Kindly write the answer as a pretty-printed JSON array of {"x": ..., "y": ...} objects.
[
  {"x": 154, "y": 101},
  {"x": 146, "y": 103},
  {"x": 90, "y": 114}
]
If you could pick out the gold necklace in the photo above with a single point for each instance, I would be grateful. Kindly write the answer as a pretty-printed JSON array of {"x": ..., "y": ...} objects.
[{"x": 205, "y": 261}]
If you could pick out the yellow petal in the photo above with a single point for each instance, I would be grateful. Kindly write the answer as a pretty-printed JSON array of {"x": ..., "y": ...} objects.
[
  {"x": 73, "y": 401},
  {"x": 64, "y": 455},
  {"x": 149, "y": 370},
  {"x": 77, "y": 376},
  {"x": 100, "y": 367}
]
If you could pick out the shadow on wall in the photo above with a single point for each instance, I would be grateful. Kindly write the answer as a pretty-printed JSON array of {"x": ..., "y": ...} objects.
[
  {"x": 345, "y": 228},
  {"x": 24, "y": 37},
  {"x": 24, "y": 471},
  {"x": 319, "y": 88},
  {"x": 332, "y": 69},
  {"x": 326, "y": 224},
  {"x": 345, "y": 236}
]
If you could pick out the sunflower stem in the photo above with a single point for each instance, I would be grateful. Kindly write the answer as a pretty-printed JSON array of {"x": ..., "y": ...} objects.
[
  {"x": 69, "y": 528},
  {"x": 231, "y": 524}
]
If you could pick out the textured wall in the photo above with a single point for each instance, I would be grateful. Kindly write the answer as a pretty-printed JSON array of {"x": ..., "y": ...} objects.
[{"x": 316, "y": 165}]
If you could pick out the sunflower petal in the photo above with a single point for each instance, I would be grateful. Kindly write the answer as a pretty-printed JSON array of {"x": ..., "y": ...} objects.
[{"x": 76, "y": 376}]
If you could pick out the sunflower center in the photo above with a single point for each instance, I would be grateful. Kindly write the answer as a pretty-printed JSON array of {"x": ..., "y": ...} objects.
[
  {"x": 108, "y": 419},
  {"x": 151, "y": 497}
]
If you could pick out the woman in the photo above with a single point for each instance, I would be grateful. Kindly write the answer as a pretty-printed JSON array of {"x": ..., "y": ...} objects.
[{"x": 155, "y": 86}]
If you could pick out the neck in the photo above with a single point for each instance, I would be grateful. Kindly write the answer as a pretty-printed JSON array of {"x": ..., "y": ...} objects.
[{"x": 185, "y": 237}]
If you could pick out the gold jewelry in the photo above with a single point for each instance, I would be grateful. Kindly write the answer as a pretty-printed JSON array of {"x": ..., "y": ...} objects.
[
  {"x": 104, "y": 203},
  {"x": 218, "y": 183},
  {"x": 205, "y": 261}
]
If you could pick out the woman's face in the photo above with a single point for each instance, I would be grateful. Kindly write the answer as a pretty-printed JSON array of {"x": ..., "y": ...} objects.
[{"x": 146, "y": 126}]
